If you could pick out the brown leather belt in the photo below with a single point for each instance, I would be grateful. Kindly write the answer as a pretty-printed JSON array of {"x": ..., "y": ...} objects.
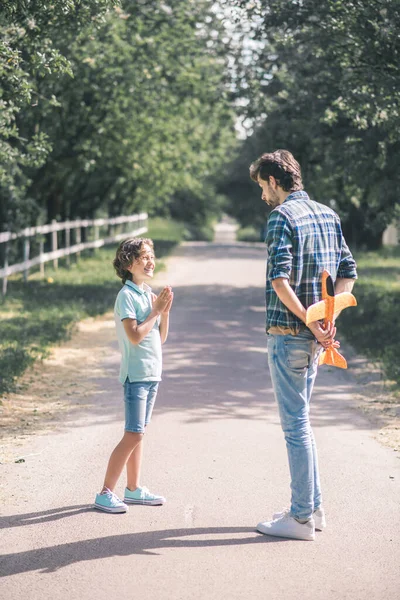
[{"x": 278, "y": 330}]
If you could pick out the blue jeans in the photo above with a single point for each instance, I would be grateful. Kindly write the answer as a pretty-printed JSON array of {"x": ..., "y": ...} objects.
[
  {"x": 139, "y": 402},
  {"x": 293, "y": 364}
]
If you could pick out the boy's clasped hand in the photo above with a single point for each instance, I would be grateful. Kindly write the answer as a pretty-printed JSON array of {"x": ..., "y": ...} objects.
[{"x": 163, "y": 302}]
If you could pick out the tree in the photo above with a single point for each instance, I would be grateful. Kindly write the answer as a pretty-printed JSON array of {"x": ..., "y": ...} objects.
[
  {"x": 28, "y": 56},
  {"x": 326, "y": 78},
  {"x": 138, "y": 116}
]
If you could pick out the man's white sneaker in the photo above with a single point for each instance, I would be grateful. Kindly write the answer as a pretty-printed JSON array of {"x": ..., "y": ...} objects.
[
  {"x": 287, "y": 527},
  {"x": 319, "y": 517}
]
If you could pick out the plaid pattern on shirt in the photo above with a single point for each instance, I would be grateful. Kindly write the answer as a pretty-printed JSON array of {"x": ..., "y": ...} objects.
[{"x": 303, "y": 238}]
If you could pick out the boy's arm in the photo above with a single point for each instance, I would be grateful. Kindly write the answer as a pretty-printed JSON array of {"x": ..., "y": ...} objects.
[
  {"x": 136, "y": 333},
  {"x": 164, "y": 327},
  {"x": 164, "y": 321}
]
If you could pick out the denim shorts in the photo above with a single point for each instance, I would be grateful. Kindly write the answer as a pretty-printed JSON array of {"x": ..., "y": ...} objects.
[{"x": 139, "y": 399}]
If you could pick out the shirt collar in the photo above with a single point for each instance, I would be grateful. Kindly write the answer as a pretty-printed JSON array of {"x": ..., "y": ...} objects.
[
  {"x": 135, "y": 287},
  {"x": 300, "y": 195}
]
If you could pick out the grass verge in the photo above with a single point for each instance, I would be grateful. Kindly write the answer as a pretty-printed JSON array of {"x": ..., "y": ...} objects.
[
  {"x": 373, "y": 327},
  {"x": 248, "y": 234},
  {"x": 43, "y": 312}
]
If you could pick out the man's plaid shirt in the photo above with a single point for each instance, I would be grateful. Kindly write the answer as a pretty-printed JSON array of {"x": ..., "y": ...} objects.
[{"x": 303, "y": 238}]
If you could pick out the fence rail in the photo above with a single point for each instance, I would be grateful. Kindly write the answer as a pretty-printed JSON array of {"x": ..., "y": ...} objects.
[{"x": 76, "y": 226}]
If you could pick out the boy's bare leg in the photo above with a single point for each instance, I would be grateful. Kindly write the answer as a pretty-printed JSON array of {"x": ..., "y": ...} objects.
[
  {"x": 133, "y": 467},
  {"x": 119, "y": 457}
]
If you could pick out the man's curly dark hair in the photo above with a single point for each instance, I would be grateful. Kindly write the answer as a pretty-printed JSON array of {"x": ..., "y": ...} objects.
[
  {"x": 282, "y": 165},
  {"x": 128, "y": 251}
]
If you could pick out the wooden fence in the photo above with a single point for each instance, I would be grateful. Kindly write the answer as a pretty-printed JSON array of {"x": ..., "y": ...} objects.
[{"x": 74, "y": 227}]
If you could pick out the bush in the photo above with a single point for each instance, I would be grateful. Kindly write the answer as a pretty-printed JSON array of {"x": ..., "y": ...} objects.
[
  {"x": 373, "y": 327},
  {"x": 13, "y": 362},
  {"x": 199, "y": 233},
  {"x": 248, "y": 234}
]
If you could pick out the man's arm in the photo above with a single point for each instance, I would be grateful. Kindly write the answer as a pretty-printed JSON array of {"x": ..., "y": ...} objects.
[
  {"x": 342, "y": 284},
  {"x": 279, "y": 244},
  {"x": 287, "y": 296},
  {"x": 347, "y": 266},
  {"x": 347, "y": 272}
]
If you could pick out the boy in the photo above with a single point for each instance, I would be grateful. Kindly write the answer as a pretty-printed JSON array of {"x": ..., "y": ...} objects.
[{"x": 142, "y": 321}]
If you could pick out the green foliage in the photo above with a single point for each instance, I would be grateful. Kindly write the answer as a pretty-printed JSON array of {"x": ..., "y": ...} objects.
[
  {"x": 248, "y": 234},
  {"x": 373, "y": 327},
  {"x": 29, "y": 34},
  {"x": 324, "y": 82},
  {"x": 199, "y": 233},
  {"x": 166, "y": 230},
  {"x": 14, "y": 360},
  {"x": 166, "y": 234},
  {"x": 115, "y": 110}
]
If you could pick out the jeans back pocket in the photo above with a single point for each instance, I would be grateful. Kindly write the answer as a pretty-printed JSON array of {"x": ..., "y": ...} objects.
[{"x": 297, "y": 354}]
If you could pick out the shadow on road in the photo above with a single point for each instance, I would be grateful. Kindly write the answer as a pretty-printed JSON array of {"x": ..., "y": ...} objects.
[
  {"x": 46, "y": 516},
  {"x": 215, "y": 364},
  {"x": 215, "y": 359},
  {"x": 52, "y": 558}
]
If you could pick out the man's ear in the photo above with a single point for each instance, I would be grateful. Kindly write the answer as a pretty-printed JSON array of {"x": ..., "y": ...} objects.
[{"x": 272, "y": 182}]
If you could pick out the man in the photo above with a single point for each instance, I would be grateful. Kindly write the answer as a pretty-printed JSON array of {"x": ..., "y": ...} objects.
[{"x": 303, "y": 238}]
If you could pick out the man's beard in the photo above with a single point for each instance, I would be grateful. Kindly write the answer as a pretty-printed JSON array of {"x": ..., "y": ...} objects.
[{"x": 273, "y": 200}]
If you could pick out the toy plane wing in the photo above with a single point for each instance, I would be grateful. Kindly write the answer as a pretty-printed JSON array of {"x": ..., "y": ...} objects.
[
  {"x": 332, "y": 304},
  {"x": 326, "y": 309}
]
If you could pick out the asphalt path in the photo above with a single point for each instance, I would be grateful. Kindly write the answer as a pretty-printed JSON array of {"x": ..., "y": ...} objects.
[{"x": 215, "y": 449}]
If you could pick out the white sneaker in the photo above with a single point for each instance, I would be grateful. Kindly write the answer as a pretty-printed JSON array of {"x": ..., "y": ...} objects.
[
  {"x": 287, "y": 527},
  {"x": 319, "y": 517}
]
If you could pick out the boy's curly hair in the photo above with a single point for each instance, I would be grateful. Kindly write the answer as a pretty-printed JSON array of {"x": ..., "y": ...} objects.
[{"x": 128, "y": 251}]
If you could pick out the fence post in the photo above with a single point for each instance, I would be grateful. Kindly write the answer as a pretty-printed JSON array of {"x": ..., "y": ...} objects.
[
  {"x": 54, "y": 245},
  {"x": 78, "y": 239},
  {"x": 96, "y": 235},
  {"x": 68, "y": 244},
  {"x": 27, "y": 247},
  {"x": 41, "y": 249},
  {"x": 6, "y": 253}
]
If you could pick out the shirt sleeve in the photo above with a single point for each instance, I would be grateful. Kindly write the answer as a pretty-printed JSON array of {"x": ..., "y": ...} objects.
[
  {"x": 347, "y": 265},
  {"x": 279, "y": 245},
  {"x": 126, "y": 306}
]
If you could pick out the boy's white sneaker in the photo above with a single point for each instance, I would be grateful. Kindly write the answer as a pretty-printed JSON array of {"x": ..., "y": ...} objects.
[
  {"x": 287, "y": 527},
  {"x": 319, "y": 517}
]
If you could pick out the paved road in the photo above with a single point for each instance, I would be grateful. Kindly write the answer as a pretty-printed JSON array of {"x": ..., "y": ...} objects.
[{"x": 215, "y": 449}]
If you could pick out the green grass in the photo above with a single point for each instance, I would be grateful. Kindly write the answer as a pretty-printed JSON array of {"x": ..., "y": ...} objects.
[
  {"x": 373, "y": 327},
  {"x": 248, "y": 234},
  {"x": 43, "y": 312},
  {"x": 165, "y": 230}
]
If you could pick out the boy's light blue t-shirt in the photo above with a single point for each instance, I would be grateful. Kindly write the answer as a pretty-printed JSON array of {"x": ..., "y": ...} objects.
[{"x": 140, "y": 362}]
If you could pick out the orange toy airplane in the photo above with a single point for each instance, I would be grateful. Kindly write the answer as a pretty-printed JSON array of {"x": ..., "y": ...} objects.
[{"x": 329, "y": 305}]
